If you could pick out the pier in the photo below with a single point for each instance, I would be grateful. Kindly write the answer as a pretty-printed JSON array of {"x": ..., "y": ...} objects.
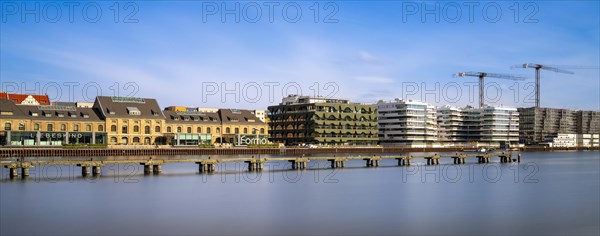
[{"x": 208, "y": 165}]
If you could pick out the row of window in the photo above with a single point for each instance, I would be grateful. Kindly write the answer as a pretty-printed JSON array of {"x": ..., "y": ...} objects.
[
  {"x": 179, "y": 129},
  {"x": 50, "y": 127},
  {"x": 136, "y": 129}
]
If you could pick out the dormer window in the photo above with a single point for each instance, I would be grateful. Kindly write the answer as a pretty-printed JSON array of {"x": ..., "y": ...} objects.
[
  {"x": 133, "y": 111},
  {"x": 60, "y": 114},
  {"x": 33, "y": 113},
  {"x": 110, "y": 111},
  {"x": 72, "y": 115},
  {"x": 154, "y": 113},
  {"x": 85, "y": 115},
  {"x": 47, "y": 114}
]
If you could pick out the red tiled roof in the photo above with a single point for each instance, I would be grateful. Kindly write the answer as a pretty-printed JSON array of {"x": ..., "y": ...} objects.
[{"x": 19, "y": 98}]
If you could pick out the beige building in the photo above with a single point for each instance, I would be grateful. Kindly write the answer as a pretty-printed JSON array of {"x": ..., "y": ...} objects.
[
  {"x": 51, "y": 125},
  {"x": 131, "y": 120}
]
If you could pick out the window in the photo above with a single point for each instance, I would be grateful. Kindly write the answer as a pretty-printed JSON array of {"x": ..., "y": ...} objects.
[
  {"x": 50, "y": 127},
  {"x": 136, "y": 140},
  {"x": 36, "y": 126},
  {"x": 199, "y": 130},
  {"x": 157, "y": 129},
  {"x": 124, "y": 140},
  {"x": 63, "y": 127},
  {"x": 100, "y": 128},
  {"x": 189, "y": 130},
  {"x": 136, "y": 129},
  {"x": 88, "y": 128},
  {"x": 237, "y": 130},
  {"x": 113, "y": 128},
  {"x": 147, "y": 129},
  {"x": 254, "y": 130},
  {"x": 227, "y": 130},
  {"x": 245, "y": 130},
  {"x": 218, "y": 130},
  {"x": 208, "y": 130},
  {"x": 179, "y": 129},
  {"x": 76, "y": 128},
  {"x": 147, "y": 141},
  {"x": 124, "y": 129},
  {"x": 21, "y": 126},
  {"x": 169, "y": 129},
  {"x": 134, "y": 111},
  {"x": 113, "y": 140},
  {"x": 7, "y": 126},
  {"x": 262, "y": 130}
]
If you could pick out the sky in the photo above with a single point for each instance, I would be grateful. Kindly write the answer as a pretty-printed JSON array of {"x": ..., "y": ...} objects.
[{"x": 244, "y": 54}]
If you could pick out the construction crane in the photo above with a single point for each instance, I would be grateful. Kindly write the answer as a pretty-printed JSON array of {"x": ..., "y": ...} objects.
[
  {"x": 537, "y": 68},
  {"x": 482, "y": 76}
]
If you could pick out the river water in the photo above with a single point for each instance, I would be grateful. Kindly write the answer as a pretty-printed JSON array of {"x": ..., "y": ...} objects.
[{"x": 547, "y": 193}]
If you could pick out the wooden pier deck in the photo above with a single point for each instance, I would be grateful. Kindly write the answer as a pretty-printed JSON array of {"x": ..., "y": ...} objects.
[{"x": 254, "y": 163}]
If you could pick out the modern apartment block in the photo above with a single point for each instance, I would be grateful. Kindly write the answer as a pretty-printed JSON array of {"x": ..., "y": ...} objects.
[
  {"x": 537, "y": 125},
  {"x": 487, "y": 126},
  {"x": 324, "y": 121},
  {"x": 407, "y": 123},
  {"x": 450, "y": 122},
  {"x": 499, "y": 125}
]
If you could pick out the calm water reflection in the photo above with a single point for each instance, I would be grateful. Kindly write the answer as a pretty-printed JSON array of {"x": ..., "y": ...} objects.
[{"x": 547, "y": 193}]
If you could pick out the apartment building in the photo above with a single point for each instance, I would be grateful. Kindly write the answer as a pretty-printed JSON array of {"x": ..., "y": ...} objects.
[
  {"x": 407, "y": 123},
  {"x": 300, "y": 120}
]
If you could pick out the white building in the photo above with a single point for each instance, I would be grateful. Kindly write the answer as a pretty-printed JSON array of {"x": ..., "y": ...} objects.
[
  {"x": 471, "y": 127},
  {"x": 260, "y": 114},
  {"x": 450, "y": 126},
  {"x": 499, "y": 125},
  {"x": 407, "y": 123},
  {"x": 564, "y": 140},
  {"x": 588, "y": 140}
]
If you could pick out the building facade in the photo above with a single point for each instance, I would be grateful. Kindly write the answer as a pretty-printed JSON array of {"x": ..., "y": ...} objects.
[
  {"x": 537, "y": 125},
  {"x": 471, "y": 127},
  {"x": 131, "y": 120},
  {"x": 51, "y": 125},
  {"x": 300, "y": 120},
  {"x": 407, "y": 123},
  {"x": 191, "y": 127}
]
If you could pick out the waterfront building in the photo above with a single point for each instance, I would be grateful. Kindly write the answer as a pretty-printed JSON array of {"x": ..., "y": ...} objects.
[
  {"x": 237, "y": 124},
  {"x": 131, "y": 120},
  {"x": 499, "y": 126},
  {"x": 469, "y": 127},
  {"x": 450, "y": 123},
  {"x": 301, "y": 120},
  {"x": 407, "y": 123},
  {"x": 588, "y": 140},
  {"x": 50, "y": 125},
  {"x": 539, "y": 124},
  {"x": 191, "y": 127}
]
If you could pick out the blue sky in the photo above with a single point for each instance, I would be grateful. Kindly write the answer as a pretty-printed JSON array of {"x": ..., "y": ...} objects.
[{"x": 180, "y": 52}]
